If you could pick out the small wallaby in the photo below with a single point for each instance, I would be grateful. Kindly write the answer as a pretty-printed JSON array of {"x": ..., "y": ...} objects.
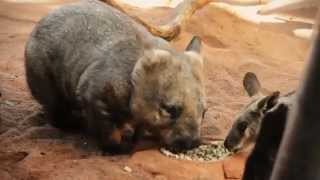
[
  {"x": 247, "y": 125},
  {"x": 89, "y": 61},
  {"x": 260, "y": 162}
]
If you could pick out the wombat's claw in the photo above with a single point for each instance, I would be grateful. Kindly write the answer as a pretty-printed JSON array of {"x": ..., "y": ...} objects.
[{"x": 128, "y": 135}]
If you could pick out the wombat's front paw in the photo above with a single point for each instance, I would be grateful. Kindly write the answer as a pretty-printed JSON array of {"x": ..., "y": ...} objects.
[
  {"x": 120, "y": 142},
  {"x": 127, "y": 134}
]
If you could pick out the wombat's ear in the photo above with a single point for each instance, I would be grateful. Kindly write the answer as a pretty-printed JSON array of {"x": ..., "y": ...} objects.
[
  {"x": 152, "y": 59},
  {"x": 194, "y": 45},
  {"x": 269, "y": 102},
  {"x": 251, "y": 84}
]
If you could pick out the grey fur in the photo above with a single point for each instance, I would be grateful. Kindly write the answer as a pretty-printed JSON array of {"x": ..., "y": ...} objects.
[{"x": 80, "y": 59}]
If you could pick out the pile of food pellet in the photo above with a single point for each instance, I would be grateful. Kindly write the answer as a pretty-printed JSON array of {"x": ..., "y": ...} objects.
[{"x": 207, "y": 152}]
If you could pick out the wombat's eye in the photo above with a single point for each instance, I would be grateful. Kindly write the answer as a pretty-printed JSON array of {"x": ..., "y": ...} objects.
[
  {"x": 242, "y": 126},
  {"x": 174, "y": 111}
]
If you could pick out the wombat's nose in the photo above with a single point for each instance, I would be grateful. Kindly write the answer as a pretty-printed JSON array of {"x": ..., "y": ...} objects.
[{"x": 185, "y": 143}]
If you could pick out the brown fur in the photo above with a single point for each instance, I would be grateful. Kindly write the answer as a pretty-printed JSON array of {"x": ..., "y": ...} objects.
[{"x": 179, "y": 85}]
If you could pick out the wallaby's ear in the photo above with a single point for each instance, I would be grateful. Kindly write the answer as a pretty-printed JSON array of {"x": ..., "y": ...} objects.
[
  {"x": 251, "y": 84},
  {"x": 269, "y": 101},
  {"x": 194, "y": 45}
]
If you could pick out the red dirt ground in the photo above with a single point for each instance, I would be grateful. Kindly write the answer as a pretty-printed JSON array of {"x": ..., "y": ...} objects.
[{"x": 31, "y": 149}]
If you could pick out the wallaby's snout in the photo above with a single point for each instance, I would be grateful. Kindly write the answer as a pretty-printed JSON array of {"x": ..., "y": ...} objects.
[
  {"x": 232, "y": 141},
  {"x": 237, "y": 137},
  {"x": 229, "y": 144}
]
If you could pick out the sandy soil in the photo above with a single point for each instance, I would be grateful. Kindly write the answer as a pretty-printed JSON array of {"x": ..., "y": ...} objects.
[{"x": 31, "y": 149}]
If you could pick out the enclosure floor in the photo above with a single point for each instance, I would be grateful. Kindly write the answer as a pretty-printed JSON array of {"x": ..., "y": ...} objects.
[{"x": 31, "y": 149}]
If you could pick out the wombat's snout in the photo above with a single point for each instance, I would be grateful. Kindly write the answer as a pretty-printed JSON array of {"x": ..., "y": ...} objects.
[{"x": 184, "y": 143}]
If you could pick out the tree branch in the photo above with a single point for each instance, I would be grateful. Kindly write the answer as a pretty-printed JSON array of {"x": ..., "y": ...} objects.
[{"x": 183, "y": 13}]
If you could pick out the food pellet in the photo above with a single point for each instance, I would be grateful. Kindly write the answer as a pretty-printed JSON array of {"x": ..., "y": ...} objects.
[
  {"x": 207, "y": 152},
  {"x": 127, "y": 169}
]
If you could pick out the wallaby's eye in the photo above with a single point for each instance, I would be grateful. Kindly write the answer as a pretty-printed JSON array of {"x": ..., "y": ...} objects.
[
  {"x": 254, "y": 114},
  {"x": 242, "y": 126},
  {"x": 174, "y": 111}
]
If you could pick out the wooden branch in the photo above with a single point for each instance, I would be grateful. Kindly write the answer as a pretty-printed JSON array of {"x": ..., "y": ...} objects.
[
  {"x": 183, "y": 13},
  {"x": 278, "y": 6},
  {"x": 243, "y": 2}
]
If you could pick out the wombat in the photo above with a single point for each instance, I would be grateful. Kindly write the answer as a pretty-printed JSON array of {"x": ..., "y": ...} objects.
[
  {"x": 246, "y": 127},
  {"x": 91, "y": 62}
]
